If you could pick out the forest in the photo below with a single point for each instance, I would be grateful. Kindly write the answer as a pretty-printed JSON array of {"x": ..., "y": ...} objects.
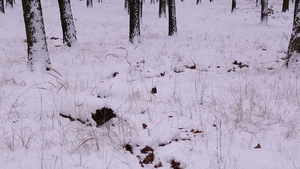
[{"x": 172, "y": 84}]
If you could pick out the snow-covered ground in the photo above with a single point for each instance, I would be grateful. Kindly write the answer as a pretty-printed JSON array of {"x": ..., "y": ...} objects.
[{"x": 221, "y": 86}]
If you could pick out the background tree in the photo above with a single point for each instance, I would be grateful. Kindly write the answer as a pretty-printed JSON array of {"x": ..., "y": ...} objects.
[
  {"x": 285, "y": 5},
  {"x": 2, "y": 6},
  {"x": 89, "y": 3},
  {"x": 67, "y": 23},
  {"x": 293, "y": 54},
  {"x": 172, "y": 17},
  {"x": 233, "y": 6},
  {"x": 38, "y": 57},
  {"x": 162, "y": 8},
  {"x": 10, "y": 3},
  {"x": 134, "y": 21},
  {"x": 264, "y": 12},
  {"x": 198, "y": 1}
]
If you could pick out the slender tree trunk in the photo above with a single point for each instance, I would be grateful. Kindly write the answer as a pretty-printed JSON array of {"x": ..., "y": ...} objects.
[
  {"x": 2, "y": 10},
  {"x": 162, "y": 9},
  {"x": 264, "y": 12},
  {"x": 285, "y": 5},
  {"x": 141, "y": 8},
  {"x": 38, "y": 57},
  {"x": 233, "y": 6},
  {"x": 293, "y": 54},
  {"x": 89, "y": 3},
  {"x": 198, "y": 1},
  {"x": 172, "y": 18},
  {"x": 152, "y": 1},
  {"x": 10, "y": 3},
  {"x": 67, "y": 23},
  {"x": 134, "y": 21}
]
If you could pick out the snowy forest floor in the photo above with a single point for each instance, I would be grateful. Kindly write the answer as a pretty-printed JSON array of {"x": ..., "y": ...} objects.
[{"x": 224, "y": 98}]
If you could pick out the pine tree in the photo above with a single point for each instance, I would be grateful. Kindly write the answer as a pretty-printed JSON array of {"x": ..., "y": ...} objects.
[
  {"x": 2, "y": 6},
  {"x": 293, "y": 53},
  {"x": 285, "y": 5},
  {"x": 172, "y": 18},
  {"x": 264, "y": 12},
  {"x": 67, "y": 23},
  {"x": 162, "y": 8},
  {"x": 233, "y": 6},
  {"x": 134, "y": 21},
  {"x": 37, "y": 51},
  {"x": 89, "y": 3},
  {"x": 10, "y": 3}
]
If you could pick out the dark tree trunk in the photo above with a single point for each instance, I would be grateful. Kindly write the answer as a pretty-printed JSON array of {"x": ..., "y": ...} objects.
[
  {"x": 264, "y": 12},
  {"x": 162, "y": 8},
  {"x": 89, "y": 3},
  {"x": 2, "y": 6},
  {"x": 198, "y": 1},
  {"x": 233, "y": 6},
  {"x": 10, "y": 3},
  {"x": 141, "y": 8},
  {"x": 38, "y": 57},
  {"x": 67, "y": 23},
  {"x": 285, "y": 5},
  {"x": 293, "y": 54},
  {"x": 172, "y": 18},
  {"x": 134, "y": 21}
]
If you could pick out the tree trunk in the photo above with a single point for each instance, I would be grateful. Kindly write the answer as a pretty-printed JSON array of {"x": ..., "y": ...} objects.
[
  {"x": 38, "y": 57},
  {"x": 285, "y": 5},
  {"x": 162, "y": 8},
  {"x": 293, "y": 53},
  {"x": 141, "y": 8},
  {"x": 172, "y": 18},
  {"x": 264, "y": 12},
  {"x": 10, "y": 3},
  {"x": 67, "y": 23},
  {"x": 198, "y": 1},
  {"x": 152, "y": 1},
  {"x": 2, "y": 6},
  {"x": 89, "y": 3},
  {"x": 233, "y": 6},
  {"x": 134, "y": 21}
]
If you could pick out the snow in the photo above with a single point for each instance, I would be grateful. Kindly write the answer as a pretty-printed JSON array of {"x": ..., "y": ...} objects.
[{"x": 221, "y": 76}]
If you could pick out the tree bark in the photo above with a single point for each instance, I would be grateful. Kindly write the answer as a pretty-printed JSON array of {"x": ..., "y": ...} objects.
[
  {"x": 162, "y": 9},
  {"x": 38, "y": 57},
  {"x": 233, "y": 6},
  {"x": 264, "y": 12},
  {"x": 67, "y": 23},
  {"x": 10, "y": 3},
  {"x": 285, "y": 5},
  {"x": 293, "y": 53},
  {"x": 172, "y": 18},
  {"x": 134, "y": 21},
  {"x": 89, "y": 3},
  {"x": 2, "y": 6}
]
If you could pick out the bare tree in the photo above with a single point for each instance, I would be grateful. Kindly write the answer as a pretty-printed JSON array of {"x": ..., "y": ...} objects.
[
  {"x": 162, "y": 8},
  {"x": 38, "y": 57},
  {"x": 134, "y": 21},
  {"x": 67, "y": 23},
  {"x": 293, "y": 54},
  {"x": 285, "y": 5},
  {"x": 2, "y": 6},
  {"x": 172, "y": 18},
  {"x": 264, "y": 12}
]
